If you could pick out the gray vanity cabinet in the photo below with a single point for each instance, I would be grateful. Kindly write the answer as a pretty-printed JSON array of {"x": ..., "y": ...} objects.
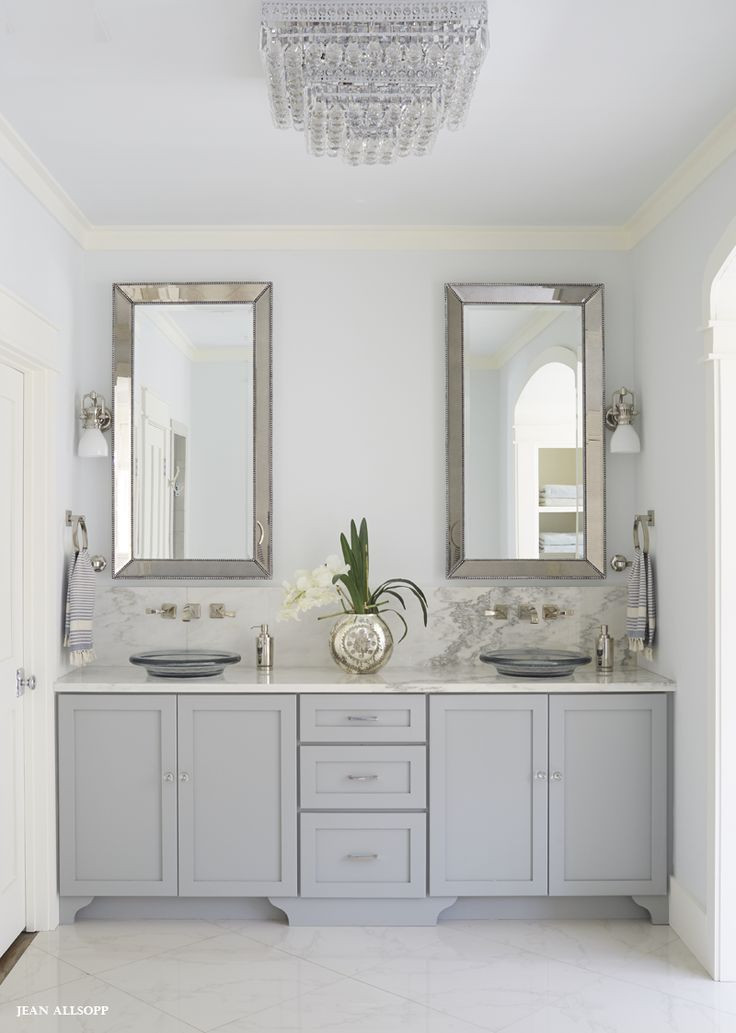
[
  {"x": 117, "y": 795},
  {"x": 488, "y": 827},
  {"x": 608, "y": 794},
  {"x": 237, "y": 796},
  {"x": 166, "y": 795}
]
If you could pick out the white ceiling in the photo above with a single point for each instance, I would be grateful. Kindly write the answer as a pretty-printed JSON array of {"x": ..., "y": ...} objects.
[{"x": 154, "y": 112}]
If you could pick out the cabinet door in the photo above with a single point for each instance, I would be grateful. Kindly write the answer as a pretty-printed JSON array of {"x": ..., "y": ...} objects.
[
  {"x": 117, "y": 795},
  {"x": 488, "y": 795},
  {"x": 608, "y": 794},
  {"x": 237, "y": 796}
]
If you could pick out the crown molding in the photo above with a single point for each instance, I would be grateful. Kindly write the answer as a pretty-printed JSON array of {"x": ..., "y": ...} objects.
[
  {"x": 356, "y": 238},
  {"x": 707, "y": 156},
  {"x": 21, "y": 160},
  {"x": 34, "y": 175}
]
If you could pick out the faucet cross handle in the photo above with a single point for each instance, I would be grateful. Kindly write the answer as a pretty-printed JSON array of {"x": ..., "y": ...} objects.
[
  {"x": 550, "y": 612},
  {"x": 528, "y": 613}
]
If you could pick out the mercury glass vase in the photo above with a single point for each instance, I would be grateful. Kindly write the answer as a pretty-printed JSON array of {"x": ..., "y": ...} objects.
[{"x": 361, "y": 643}]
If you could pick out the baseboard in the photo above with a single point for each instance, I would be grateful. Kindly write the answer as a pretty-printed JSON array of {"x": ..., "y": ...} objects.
[
  {"x": 690, "y": 922},
  {"x": 531, "y": 908},
  {"x": 179, "y": 907}
]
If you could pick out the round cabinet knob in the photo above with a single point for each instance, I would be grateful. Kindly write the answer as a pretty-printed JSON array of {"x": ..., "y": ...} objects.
[
  {"x": 184, "y": 776},
  {"x": 541, "y": 776},
  {"x": 556, "y": 776},
  {"x": 168, "y": 776}
]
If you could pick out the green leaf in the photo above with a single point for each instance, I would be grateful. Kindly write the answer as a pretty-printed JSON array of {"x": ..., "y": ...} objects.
[
  {"x": 389, "y": 609},
  {"x": 413, "y": 588}
]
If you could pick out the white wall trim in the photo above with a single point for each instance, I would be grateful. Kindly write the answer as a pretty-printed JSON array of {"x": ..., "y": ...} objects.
[
  {"x": 34, "y": 175},
  {"x": 19, "y": 345},
  {"x": 18, "y": 156},
  {"x": 707, "y": 156},
  {"x": 690, "y": 922},
  {"x": 26, "y": 331}
]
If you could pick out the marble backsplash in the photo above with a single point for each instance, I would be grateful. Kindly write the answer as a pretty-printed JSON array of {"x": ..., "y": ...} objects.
[{"x": 457, "y": 628}]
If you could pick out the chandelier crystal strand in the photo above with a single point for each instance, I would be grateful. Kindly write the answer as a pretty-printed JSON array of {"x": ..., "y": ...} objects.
[{"x": 372, "y": 82}]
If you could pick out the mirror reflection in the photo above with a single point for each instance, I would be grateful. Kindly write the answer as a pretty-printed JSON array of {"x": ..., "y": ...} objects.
[
  {"x": 192, "y": 431},
  {"x": 523, "y": 431}
]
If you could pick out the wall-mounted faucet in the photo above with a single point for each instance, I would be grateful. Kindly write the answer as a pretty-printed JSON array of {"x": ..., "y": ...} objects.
[
  {"x": 497, "y": 612},
  {"x": 167, "y": 611},
  {"x": 550, "y": 612},
  {"x": 528, "y": 613},
  {"x": 191, "y": 612}
]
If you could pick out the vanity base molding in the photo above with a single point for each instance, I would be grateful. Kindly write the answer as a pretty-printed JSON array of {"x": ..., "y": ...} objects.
[
  {"x": 305, "y": 911},
  {"x": 352, "y": 911},
  {"x": 131, "y": 908}
]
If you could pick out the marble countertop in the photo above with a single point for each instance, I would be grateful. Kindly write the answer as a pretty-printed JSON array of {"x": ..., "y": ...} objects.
[{"x": 476, "y": 678}]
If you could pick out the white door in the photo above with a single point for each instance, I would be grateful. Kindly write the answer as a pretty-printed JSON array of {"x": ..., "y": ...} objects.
[
  {"x": 12, "y": 805},
  {"x": 153, "y": 489}
]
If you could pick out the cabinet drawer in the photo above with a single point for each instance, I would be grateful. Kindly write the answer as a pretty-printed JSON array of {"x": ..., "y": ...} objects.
[
  {"x": 363, "y": 855},
  {"x": 355, "y": 777},
  {"x": 362, "y": 718}
]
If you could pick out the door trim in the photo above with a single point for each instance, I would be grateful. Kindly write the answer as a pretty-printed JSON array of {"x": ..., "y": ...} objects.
[{"x": 29, "y": 342}]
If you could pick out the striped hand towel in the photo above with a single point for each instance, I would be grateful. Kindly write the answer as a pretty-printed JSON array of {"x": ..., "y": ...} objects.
[
  {"x": 640, "y": 611},
  {"x": 80, "y": 605}
]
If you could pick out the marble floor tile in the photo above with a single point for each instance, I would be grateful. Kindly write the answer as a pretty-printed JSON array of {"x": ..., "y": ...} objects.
[
  {"x": 351, "y": 949},
  {"x": 602, "y": 946},
  {"x": 349, "y": 1007},
  {"x": 492, "y": 993},
  {"x": 217, "y": 980},
  {"x": 673, "y": 970},
  {"x": 611, "y": 1006},
  {"x": 96, "y": 945},
  {"x": 36, "y": 971},
  {"x": 125, "y": 1014}
]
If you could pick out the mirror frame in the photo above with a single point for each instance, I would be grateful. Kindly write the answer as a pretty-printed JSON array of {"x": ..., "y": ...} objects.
[
  {"x": 589, "y": 298},
  {"x": 125, "y": 297}
]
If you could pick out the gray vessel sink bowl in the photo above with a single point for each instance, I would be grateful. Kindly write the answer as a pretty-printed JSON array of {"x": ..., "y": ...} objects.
[
  {"x": 184, "y": 663},
  {"x": 535, "y": 663}
]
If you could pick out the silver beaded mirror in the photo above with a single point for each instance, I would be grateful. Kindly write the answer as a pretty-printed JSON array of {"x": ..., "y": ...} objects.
[
  {"x": 525, "y": 449},
  {"x": 192, "y": 430}
]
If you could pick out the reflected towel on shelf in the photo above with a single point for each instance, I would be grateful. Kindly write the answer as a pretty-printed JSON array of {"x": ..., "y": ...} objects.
[
  {"x": 559, "y": 538},
  {"x": 640, "y": 611},
  {"x": 561, "y": 491},
  {"x": 80, "y": 608}
]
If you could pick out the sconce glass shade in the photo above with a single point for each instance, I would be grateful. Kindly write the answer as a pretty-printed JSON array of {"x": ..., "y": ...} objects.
[
  {"x": 625, "y": 439},
  {"x": 92, "y": 444}
]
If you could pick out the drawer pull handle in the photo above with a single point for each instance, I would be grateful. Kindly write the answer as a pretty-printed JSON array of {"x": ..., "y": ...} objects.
[
  {"x": 362, "y": 778},
  {"x": 362, "y": 717},
  {"x": 362, "y": 857}
]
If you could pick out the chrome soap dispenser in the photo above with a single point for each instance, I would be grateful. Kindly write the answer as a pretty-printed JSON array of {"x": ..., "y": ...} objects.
[
  {"x": 604, "y": 651},
  {"x": 264, "y": 648}
]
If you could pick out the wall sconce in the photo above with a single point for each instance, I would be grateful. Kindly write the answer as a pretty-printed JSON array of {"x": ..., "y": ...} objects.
[
  {"x": 95, "y": 418},
  {"x": 618, "y": 419}
]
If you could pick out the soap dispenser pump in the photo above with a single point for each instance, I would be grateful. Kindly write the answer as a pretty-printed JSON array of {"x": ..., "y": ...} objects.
[
  {"x": 264, "y": 648},
  {"x": 604, "y": 651}
]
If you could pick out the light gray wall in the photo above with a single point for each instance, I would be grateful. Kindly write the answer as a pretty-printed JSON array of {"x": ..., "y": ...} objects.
[
  {"x": 359, "y": 386},
  {"x": 672, "y": 477}
]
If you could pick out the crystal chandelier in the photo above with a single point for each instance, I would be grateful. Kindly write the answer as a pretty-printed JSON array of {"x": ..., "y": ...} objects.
[{"x": 372, "y": 82}]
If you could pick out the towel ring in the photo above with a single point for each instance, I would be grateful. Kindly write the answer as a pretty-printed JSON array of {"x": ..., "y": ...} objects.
[
  {"x": 645, "y": 521},
  {"x": 80, "y": 525}
]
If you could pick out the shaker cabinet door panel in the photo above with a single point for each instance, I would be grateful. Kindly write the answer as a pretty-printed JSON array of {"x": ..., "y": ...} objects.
[
  {"x": 237, "y": 795},
  {"x": 117, "y": 795},
  {"x": 488, "y": 827},
  {"x": 608, "y": 794}
]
